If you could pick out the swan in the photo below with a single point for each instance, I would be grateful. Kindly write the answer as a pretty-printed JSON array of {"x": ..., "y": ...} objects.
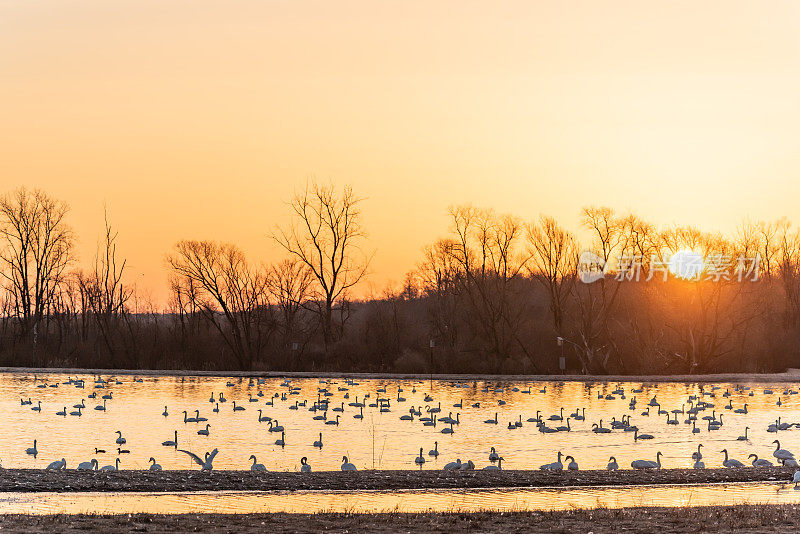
[
  {"x": 88, "y": 465},
  {"x": 165, "y": 413},
  {"x": 612, "y": 464},
  {"x": 304, "y": 467},
  {"x": 409, "y": 417},
  {"x": 205, "y": 465},
  {"x": 79, "y": 405},
  {"x": 114, "y": 467},
  {"x": 275, "y": 427},
  {"x": 216, "y": 408},
  {"x": 435, "y": 451},
  {"x": 557, "y": 417},
  {"x": 555, "y": 466},
  {"x": 467, "y": 466},
  {"x": 198, "y": 418},
  {"x": 212, "y": 400},
  {"x": 796, "y": 479},
  {"x": 648, "y": 464},
  {"x": 743, "y": 438},
  {"x": 101, "y": 407},
  {"x": 498, "y": 467},
  {"x": 697, "y": 455},
  {"x": 255, "y": 466},
  {"x": 741, "y": 410},
  {"x": 347, "y": 466},
  {"x": 759, "y": 462},
  {"x": 598, "y": 429},
  {"x": 333, "y": 421},
  {"x": 154, "y": 466},
  {"x": 123, "y": 451},
  {"x": 120, "y": 439},
  {"x": 637, "y": 436},
  {"x": 318, "y": 443},
  {"x": 57, "y": 465},
  {"x": 493, "y": 456},
  {"x": 99, "y": 451},
  {"x": 730, "y": 462},
  {"x": 572, "y": 465},
  {"x": 62, "y": 412},
  {"x": 33, "y": 451},
  {"x": 698, "y": 464},
  {"x": 781, "y": 454},
  {"x": 171, "y": 442},
  {"x": 188, "y": 419},
  {"x": 492, "y": 421},
  {"x": 203, "y": 432},
  {"x": 237, "y": 408},
  {"x": 280, "y": 442},
  {"x": 360, "y": 414},
  {"x": 452, "y": 466},
  {"x": 419, "y": 460},
  {"x": 38, "y": 407}
]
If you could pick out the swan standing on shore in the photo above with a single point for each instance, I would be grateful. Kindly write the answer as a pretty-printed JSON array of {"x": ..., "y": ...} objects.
[
  {"x": 205, "y": 465},
  {"x": 58, "y": 465},
  {"x": 730, "y": 462},
  {"x": 555, "y": 466},
  {"x": 255, "y": 466},
  {"x": 648, "y": 464},
  {"x": 346, "y": 465},
  {"x": 92, "y": 464},
  {"x": 612, "y": 464},
  {"x": 114, "y": 467}
]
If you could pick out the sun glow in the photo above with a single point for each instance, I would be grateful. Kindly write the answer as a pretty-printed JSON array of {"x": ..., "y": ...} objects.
[{"x": 686, "y": 264}]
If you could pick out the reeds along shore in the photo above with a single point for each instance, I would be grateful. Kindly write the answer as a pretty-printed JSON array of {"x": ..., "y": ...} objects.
[{"x": 495, "y": 295}]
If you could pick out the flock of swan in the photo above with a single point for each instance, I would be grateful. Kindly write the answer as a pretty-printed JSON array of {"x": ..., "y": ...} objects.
[{"x": 704, "y": 411}]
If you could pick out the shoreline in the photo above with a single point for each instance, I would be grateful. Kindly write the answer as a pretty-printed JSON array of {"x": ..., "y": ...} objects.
[
  {"x": 790, "y": 376},
  {"x": 31, "y": 480},
  {"x": 743, "y": 518}
]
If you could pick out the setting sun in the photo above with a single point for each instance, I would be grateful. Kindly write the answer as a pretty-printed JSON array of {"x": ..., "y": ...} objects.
[{"x": 686, "y": 264}]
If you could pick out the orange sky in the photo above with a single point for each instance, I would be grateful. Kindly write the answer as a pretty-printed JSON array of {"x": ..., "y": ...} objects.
[{"x": 197, "y": 119}]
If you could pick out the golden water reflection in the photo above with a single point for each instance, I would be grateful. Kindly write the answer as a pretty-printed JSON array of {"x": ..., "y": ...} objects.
[{"x": 380, "y": 440}]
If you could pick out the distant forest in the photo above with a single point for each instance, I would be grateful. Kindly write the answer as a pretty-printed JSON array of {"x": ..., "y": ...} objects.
[{"x": 495, "y": 295}]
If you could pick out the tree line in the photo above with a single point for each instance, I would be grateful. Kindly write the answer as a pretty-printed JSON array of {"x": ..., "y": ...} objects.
[{"x": 495, "y": 294}]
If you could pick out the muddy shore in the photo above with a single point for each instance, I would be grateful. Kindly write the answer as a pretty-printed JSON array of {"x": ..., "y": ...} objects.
[
  {"x": 775, "y": 518},
  {"x": 791, "y": 376},
  {"x": 29, "y": 480}
]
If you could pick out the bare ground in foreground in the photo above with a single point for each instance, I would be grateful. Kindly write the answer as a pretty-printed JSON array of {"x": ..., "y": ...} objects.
[
  {"x": 31, "y": 480},
  {"x": 782, "y": 519}
]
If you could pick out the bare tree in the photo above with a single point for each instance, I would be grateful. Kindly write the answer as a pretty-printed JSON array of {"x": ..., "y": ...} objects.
[
  {"x": 104, "y": 294},
  {"x": 288, "y": 283},
  {"x": 327, "y": 238},
  {"x": 231, "y": 294},
  {"x": 554, "y": 253},
  {"x": 35, "y": 253}
]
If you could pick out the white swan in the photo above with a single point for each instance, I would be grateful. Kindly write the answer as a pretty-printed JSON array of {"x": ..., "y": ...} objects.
[
  {"x": 759, "y": 462},
  {"x": 781, "y": 454},
  {"x": 318, "y": 443},
  {"x": 435, "y": 451},
  {"x": 170, "y": 442},
  {"x": 698, "y": 465},
  {"x": 33, "y": 451},
  {"x": 572, "y": 465},
  {"x": 612, "y": 464},
  {"x": 452, "y": 466},
  {"x": 697, "y": 455},
  {"x": 347, "y": 466},
  {"x": 796, "y": 479},
  {"x": 205, "y": 465},
  {"x": 280, "y": 442},
  {"x": 204, "y": 432},
  {"x": 555, "y": 466},
  {"x": 304, "y": 467},
  {"x": 154, "y": 466},
  {"x": 88, "y": 465},
  {"x": 57, "y": 465},
  {"x": 255, "y": 466},
  {"x": 114, "y": 467},
  {"x": 120, "y": 439},
  {"x": 648, "y": 464},
  {"x": 419, "y": 460},
  {"x": 730, "y": 462},
  {"x": 498, "y": 467},
  {"x": 493, "y": 456}
]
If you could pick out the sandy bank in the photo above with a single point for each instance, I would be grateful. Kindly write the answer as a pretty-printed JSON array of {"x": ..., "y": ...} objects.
[
  {"x": 780, "y": 519},
  {"x": 26, "y": 480}
]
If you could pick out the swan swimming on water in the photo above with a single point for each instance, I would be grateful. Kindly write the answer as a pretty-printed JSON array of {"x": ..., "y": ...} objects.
[{"x": 58, "y": 465}]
